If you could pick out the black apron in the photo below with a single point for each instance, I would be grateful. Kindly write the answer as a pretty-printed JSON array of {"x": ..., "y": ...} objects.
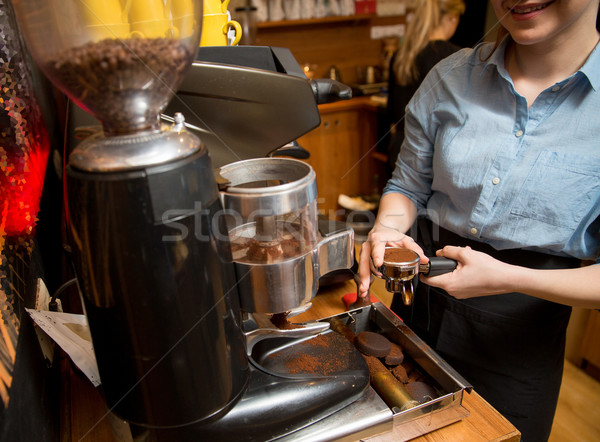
[{"x": 510, "y": 347}]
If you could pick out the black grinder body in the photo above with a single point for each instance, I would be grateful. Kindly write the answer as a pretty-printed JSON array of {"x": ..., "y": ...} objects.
[{"x": 158, "y": 288}]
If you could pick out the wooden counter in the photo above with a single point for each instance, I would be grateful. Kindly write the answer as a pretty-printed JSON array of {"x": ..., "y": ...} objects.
[{"x": 85, "y": 417}]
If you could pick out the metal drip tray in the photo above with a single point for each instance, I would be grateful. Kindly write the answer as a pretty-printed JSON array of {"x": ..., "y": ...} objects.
[{"x": 370, "y": 416}]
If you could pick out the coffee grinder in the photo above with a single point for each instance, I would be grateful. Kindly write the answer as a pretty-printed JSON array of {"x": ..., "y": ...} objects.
[
  {"x": 177, "y": 357},
  {"x": 138, "y": 270}
]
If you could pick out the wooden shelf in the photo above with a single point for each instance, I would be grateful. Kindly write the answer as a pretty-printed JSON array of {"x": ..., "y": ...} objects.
[{"x": 322, "y": 21}]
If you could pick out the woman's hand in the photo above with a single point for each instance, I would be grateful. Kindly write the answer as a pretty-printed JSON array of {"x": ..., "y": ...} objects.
[
  {"x": 396, "y": 214},
  {"x": 476, "y": 274},
  {"x": 372, "y": 251}
]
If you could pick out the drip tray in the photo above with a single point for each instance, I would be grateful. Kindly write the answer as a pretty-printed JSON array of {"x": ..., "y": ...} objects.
[{"x": 370, "y": 416}]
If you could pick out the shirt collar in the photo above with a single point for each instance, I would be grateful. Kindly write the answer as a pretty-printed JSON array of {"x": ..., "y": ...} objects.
[
  {"x": 497, "y": 58},
  {"x": 591, "y": 67}
]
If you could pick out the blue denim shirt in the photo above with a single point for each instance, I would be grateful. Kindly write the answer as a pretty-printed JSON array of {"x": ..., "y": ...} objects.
[{"x": 482, "y": 164}]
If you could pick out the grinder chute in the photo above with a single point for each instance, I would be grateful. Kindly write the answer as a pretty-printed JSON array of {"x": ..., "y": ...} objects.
[{"x": 277, "y": 248}]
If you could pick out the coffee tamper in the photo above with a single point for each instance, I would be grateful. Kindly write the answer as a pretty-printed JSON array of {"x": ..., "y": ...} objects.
[{"x": 401, "y": 265}]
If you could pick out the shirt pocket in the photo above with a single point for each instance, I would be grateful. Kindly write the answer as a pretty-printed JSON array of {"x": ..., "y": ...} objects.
[{"x": 560, "y": 190}]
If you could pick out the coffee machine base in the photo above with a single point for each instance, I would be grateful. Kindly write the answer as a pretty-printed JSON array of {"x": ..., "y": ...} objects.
[{"x": 294, "y": 383}]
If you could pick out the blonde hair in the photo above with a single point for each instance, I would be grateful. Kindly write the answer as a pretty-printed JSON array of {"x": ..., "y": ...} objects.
[{"x": 426, "y": 18}]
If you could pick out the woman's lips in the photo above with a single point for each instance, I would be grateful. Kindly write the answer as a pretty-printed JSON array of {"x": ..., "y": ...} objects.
[{"x": 527, "y": 12}]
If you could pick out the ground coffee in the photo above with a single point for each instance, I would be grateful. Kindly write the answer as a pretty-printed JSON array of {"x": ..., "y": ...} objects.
[{"x": 397, "y": 255}]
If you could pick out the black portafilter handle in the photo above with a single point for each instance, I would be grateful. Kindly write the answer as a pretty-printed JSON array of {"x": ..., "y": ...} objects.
[
  {"x": 330, "y": 91},
  {"x": 438, "y": 265}
]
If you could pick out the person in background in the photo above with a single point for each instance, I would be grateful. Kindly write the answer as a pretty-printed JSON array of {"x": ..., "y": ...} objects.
[
  {"x": 425, "y": 43},
  {"x": 501, "y": 161}
]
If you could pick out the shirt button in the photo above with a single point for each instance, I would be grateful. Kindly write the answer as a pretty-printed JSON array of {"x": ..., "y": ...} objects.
[
  {"x": 496, "y": 180},
  {"x": 519, "y": 133},
  {"x": 555, "y": 88},
  {"x": 473, "y": 230}
]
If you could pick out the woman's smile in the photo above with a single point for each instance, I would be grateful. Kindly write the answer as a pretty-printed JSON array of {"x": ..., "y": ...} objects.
[{"x": 527, "y": 12}]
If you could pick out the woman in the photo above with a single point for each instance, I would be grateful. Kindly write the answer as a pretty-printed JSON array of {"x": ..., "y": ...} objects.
[
  {"x": 501, "y": 156},
  {"x": 433, "y": 23}
]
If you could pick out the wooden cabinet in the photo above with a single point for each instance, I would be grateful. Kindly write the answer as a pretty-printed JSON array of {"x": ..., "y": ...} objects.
[
  {"x": 590, "y": 350},
  {"x": 341, "y": 151}
]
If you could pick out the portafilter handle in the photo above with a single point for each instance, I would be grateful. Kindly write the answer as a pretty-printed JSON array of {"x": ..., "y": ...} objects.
[{"x": 437, "y": 265}]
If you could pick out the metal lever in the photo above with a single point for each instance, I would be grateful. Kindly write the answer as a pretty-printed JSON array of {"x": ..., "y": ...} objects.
[
  {"x": 329, "y": 91},
  {"x": 302, "y": 331},
  {"x": 292, "y": 149}
]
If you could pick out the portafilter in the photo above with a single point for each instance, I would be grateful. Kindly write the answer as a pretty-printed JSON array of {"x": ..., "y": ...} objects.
[{"x": 401, "y": 265}]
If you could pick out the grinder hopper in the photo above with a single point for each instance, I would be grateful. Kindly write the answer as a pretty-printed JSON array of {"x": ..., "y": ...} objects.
[{"x": 122, "y": 64}]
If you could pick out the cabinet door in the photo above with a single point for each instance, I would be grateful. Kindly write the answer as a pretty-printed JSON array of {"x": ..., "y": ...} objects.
[
  {"x": 590, "y": 349},
  {"x": 340, "y": 153}
]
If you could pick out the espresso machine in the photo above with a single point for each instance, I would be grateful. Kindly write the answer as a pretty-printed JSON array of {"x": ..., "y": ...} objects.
[{"x": 183, "y": 270}]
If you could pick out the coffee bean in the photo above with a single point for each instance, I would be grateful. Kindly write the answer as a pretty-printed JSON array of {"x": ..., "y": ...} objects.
[{"x": 112, "y": 77}]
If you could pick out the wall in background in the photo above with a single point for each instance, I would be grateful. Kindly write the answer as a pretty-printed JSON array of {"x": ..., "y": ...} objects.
[
  {"x": 346, "y": 44},
  {"x": 471, "y": 27}
]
